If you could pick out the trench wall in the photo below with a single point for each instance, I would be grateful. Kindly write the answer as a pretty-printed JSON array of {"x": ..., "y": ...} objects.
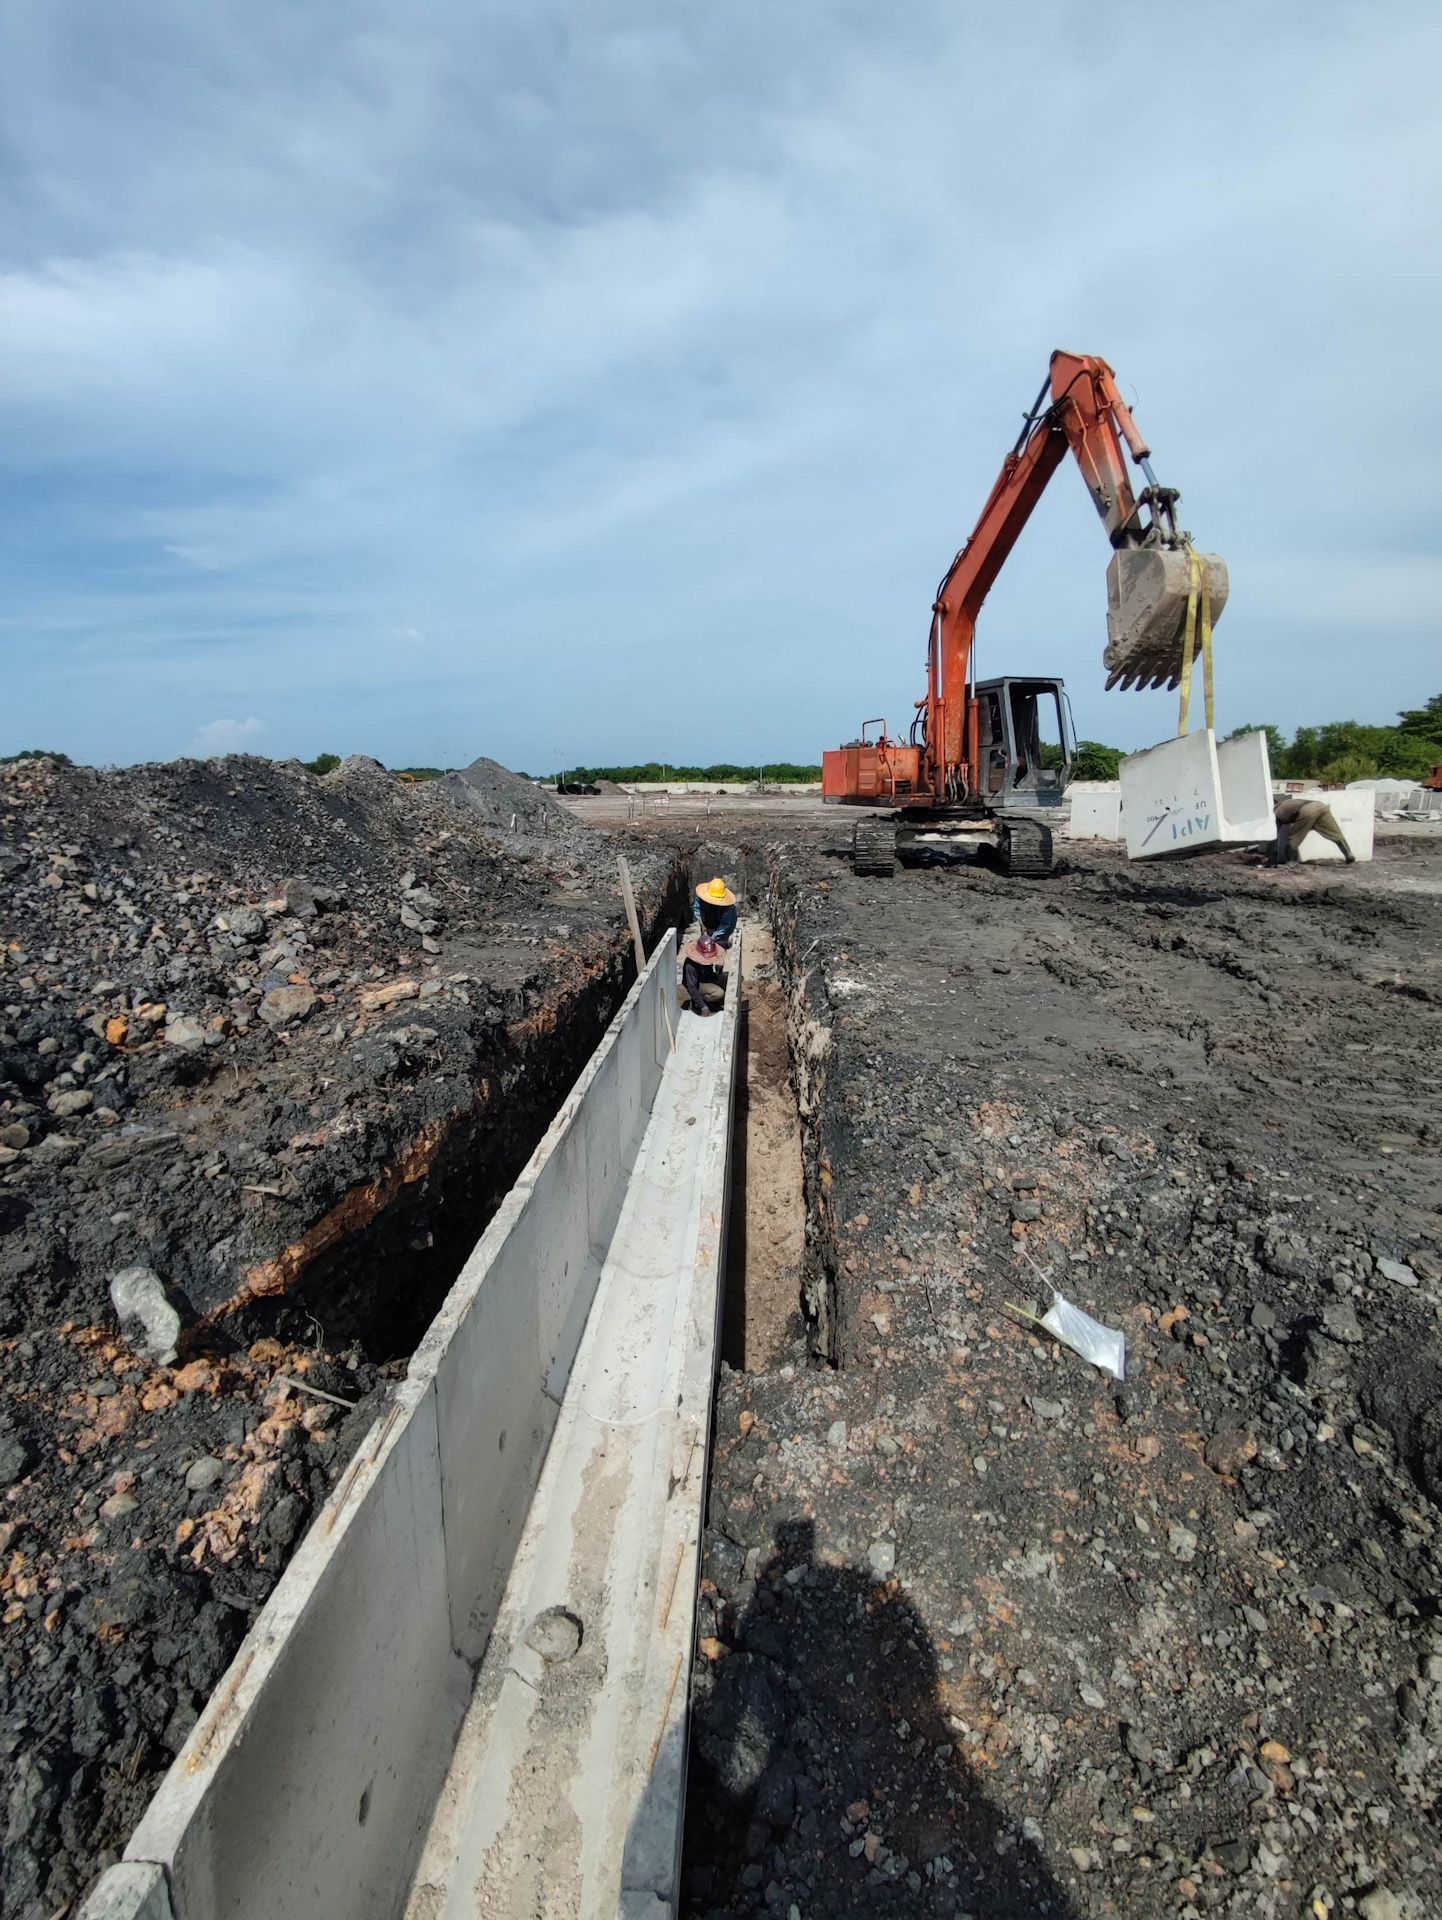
[
  {"x": 810, "y": 1038},
  {"x": 307, "y": 1783}
]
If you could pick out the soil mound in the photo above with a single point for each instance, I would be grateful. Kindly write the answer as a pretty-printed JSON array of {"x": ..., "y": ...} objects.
[
  {"x": 271, "y": 1048},
  {"x": 509, "y": 804}
]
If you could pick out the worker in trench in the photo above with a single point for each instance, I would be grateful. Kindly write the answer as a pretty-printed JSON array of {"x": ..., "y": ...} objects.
[
  {"x": 703, "y": 955},
  {"x": 1296, "y": 819}
]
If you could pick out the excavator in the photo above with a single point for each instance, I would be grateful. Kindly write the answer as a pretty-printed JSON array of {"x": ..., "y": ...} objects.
[{"x": 971, "y": 769}]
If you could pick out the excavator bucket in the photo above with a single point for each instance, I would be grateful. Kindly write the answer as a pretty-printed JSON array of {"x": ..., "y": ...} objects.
[{"x": 1147, "y": 593}]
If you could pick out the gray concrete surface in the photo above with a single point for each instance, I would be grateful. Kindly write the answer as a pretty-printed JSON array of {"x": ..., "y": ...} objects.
[
  {"x": 310, "y": 1780},
  {"x": 565, "y": 1796}
]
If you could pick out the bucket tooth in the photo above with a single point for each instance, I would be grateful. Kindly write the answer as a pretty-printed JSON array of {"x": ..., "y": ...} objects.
[{"x": 1147, "y": 593}]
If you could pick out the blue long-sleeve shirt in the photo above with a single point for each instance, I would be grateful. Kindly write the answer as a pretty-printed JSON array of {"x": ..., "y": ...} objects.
[{"x": 720, "y": 922}]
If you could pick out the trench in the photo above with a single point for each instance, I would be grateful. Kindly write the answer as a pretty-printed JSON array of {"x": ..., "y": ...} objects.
[
  {"x": 766, "y": 1231},
  {"x": 766, "y": 1316},
  {"x": 377, "y": 1289}
]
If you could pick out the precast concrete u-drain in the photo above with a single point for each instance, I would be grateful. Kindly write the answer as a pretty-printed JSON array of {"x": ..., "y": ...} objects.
[{"x": 467, "y": 1695}]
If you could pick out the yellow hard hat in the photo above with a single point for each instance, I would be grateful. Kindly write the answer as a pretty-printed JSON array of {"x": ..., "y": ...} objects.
[{"x": 716, "y": 893}]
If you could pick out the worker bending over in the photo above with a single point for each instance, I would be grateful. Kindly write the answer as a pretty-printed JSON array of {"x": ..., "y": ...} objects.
[
  {"x": 703, "y": 955},
  {"x": 1296, "y": 819}
]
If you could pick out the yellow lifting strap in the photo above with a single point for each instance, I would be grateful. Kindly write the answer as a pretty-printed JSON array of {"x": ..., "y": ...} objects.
[{"x": 1199, "y": 593}]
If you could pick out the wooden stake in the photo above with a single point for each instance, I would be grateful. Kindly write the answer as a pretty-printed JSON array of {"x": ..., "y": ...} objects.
[{"x": 628, "y": 895}]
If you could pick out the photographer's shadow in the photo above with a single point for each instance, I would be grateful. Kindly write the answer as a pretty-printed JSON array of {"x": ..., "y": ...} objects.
[{"x": 825, "y": 1711}]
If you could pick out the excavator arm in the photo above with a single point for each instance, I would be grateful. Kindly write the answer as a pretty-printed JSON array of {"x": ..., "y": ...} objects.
[{"x": 1148, "y": 580}]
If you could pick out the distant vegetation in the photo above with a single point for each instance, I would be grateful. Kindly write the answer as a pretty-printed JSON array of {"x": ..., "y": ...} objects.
[
  {"x": 1343, "y": 750},
  {"x": 1347, "y": 750},
  {"x": 778, "y": 772},
  {"x": 327, "y": 763},
  {"x": 34, "y": 753}
]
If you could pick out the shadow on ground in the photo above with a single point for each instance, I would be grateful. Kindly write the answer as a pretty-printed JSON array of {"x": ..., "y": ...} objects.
[{"x": 827, "y": 1711}]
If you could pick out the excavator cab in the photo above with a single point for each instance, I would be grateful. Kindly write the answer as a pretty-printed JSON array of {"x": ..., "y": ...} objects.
[{"x": 1024, "y": 741}]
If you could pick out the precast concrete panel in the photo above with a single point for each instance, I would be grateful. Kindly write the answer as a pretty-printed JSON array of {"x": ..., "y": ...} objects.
[
  {"x": 297, "y": 1790},
  {"x": 309, "y": 1781}
]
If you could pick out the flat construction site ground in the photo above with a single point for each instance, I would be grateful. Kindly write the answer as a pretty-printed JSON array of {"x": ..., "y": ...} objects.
[{"x": 984, "y": 1631}]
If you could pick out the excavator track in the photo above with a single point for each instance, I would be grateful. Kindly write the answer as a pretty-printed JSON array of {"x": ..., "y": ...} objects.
[
  {"x": 873, "y": 848},
  {"x": 1025, "y": 848}
]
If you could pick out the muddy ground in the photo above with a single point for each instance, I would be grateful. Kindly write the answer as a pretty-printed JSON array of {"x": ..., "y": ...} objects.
[
  {"x": 273, "y": 1046},
  {"x": 984, "y": 1632}
]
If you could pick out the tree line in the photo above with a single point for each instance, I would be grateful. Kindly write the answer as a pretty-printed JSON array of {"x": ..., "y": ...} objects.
[{"x": 1342, "y": 750}]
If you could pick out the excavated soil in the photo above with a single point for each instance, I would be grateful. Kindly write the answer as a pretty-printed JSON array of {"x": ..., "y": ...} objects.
[
  {"x": 985, "y": 1632},
  {"x": 766, "y": 1234},
  {"x": 281, "y": 1043}
]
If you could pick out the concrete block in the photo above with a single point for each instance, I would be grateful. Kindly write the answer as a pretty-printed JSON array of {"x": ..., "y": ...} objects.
[
  {"x": 502, "y": 1347},
  {"x": 567, "y": 1786},
  {"x": 1191, "y": 795},
  {"x": 134, "y": 1890},
  {"x": 298, "y": 1788},
  {"x": 1096, "y": 812},
  {"x": 1354, "y": 810}
]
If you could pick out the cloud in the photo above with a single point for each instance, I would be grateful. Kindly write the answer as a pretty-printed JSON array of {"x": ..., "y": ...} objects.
[
  {"x": 227, "y": 736},
  {"x": 587, "y": 341}
]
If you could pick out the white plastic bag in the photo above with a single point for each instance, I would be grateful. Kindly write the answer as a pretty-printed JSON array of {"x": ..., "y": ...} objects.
[{"x": 1105, "y": 1347}]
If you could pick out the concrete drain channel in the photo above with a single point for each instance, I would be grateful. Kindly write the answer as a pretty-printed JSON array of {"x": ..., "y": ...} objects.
[{"x": 468, "y": 1693}]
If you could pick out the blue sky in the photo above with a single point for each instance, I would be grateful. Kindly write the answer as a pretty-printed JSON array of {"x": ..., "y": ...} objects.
[{"x": 586, "y": 381}]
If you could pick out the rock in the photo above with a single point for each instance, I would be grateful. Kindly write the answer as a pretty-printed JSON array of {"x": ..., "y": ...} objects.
[
  {"x": 555, "y": 1634},
  {"x": 15, "y": 1136},
  {"x": 373, "y": 998},
  {"x": 284, "y": 1006},
  {"x": 1048, "y": 1409},
  {"x": 836, "y": 1436},
  {"x": 204, "y": 1474},
  {"x": 742, "y": 1723},
  {"x": 1262, "y": 1317},
  {"x": 1230, "y": 1450},
  {"x": 8, "y": 1156},
  {"x": 17, "y": 1456},
  {"x": 1092, "y": 1697},
  {"x": 186, "y": 1034},
  {"x": 1379, "y": 1904},
  {"x": 1340, "y": 1322},
  {"x": 776, "y": 1795},
  {"x": 283, "y": 1522},
  {"x": 1026, "y": 1210},
  {"x": 1400, "y": 1273},
  {"x": 147, "y": 1319},
  {"x": 881, "y": 1555},
  {"x": 77, "y": 1100},
  {"x": 300, "y": 898},
  {"x": 1323, "y": 1362},
  {"x": 1235, "y": 1855},
  {"x": 246, "y": 923},
  {"x": 56, "y": 1150},
  {"x": 118, "y": 1506},
  {"x": 1181, "y": 1543}
]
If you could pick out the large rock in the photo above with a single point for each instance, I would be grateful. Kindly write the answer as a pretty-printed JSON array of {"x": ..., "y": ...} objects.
[
  {"x": 147, "y": 1319},
  {"x": 283, "y": 1006},
  {"x": 740, "y": 1727}
]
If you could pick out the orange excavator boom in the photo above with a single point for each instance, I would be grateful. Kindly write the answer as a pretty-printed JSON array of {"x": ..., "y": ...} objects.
[{"x": 1081, "y": 408}]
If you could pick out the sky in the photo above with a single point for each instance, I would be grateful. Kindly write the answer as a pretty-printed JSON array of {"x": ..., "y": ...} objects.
[{"x": 587, "y": 381}]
